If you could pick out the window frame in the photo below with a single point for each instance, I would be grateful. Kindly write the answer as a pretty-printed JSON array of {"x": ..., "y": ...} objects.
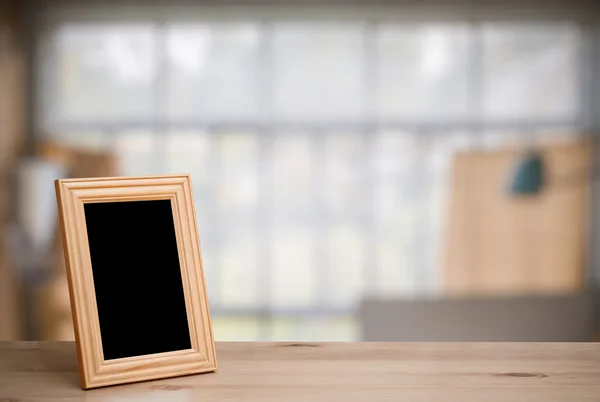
[{"x": 474, "y": 17}]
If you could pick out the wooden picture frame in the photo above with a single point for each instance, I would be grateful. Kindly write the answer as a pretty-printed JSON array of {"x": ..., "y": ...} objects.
[{"x": 76, "y": 198}]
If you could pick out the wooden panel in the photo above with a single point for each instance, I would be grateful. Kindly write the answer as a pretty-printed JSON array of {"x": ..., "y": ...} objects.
[
  {"x": 10, "y": 309},
  {"x": 301, "y": 372},
  {"x": 11, "y": 102},
  {"x": 498, "y": 244},
  {"x": 79, "y": 162},
  {"x": 11, "y": 123}
]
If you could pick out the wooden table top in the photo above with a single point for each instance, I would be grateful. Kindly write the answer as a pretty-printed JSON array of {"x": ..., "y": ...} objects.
[{"x": 345, "y": 372}]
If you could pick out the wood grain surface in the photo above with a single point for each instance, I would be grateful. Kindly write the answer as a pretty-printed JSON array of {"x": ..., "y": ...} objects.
[{"x": 545, "y": 372}]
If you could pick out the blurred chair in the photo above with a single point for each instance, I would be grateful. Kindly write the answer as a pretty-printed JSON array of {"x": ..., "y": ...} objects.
[
  {"x": 566, "y": 318},
  {"x": 498, "y": 244},
  {"x": 515, "y": 267},
  {"x": 32, "y": 231},
  {"x": 53, "y": 311}
]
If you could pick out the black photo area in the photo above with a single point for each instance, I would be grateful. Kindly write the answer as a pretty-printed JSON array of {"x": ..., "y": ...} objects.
[{"x": 137, "y": 278}]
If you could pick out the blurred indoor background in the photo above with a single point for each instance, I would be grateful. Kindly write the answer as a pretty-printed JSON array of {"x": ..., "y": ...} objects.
[{"x": 362, "y": 170}]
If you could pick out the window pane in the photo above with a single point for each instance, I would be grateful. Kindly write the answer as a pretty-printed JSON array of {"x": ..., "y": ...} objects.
[
  {"x": 345, "y": 178},
  {"x": 318, "y": 71},
  {"x": 315, "y": 329},
  {"x": 346, "y": 263},
  {"x": 103, "y": 73},
  {"x": 137, "y": 153},
  {"x": 293, "y": 278},
  {"x": 292, "y": 179},
  {"x": 292, "y": 244},
  {"x": 213, "y": 72},
  {"x": 238, "y": 200},
  {"x": 233, "y": 328},
  {"x": 345, "y": 175},
  {"x": 531, "y": 71},
  {"x": 238, "y": 267},
  {"x": 238, "y": 182},
  {"x": 398, "y": 208},
  {"x": 422, "y": 71}
]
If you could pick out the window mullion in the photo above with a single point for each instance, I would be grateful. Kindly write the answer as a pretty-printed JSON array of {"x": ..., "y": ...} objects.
[
  {"x": 266, "y": 270},
  {"x": 370, "y": 133},
  {"x": 476, "y": 85}
]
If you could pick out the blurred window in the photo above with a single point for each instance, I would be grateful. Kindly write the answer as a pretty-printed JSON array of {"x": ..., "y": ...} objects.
[
  {"x": 211, "y": 72},
  {"x": 423, "y": 71},
  {"x": 530, "y": 72},
  {"x": 318, "y": 71},
  {"x": 102, "y": 74},
  {"x": 319, "y": 152}
]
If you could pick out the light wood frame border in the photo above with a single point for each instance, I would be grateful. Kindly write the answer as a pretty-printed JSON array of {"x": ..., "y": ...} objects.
[{"x": 71, "y": 195}]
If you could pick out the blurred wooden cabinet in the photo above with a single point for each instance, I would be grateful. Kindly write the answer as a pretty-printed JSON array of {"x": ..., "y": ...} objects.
[
  {"x": 502, "y": 245},
  {"x": 12, "y": 91}
]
